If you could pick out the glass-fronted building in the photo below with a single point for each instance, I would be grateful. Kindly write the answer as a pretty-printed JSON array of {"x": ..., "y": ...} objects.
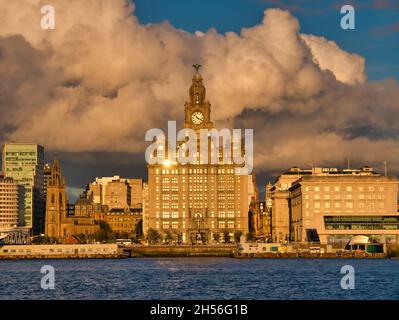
[{"x": 24, "y": 162}]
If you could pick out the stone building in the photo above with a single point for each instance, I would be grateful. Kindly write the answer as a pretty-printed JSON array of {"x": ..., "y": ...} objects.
[
  {"x": 278, "y": 203},
  {"x": 88, "y": 208},
  {"x": 331, "y": 205},
  {"x": 61, "y": 223},
  {"x": 198, "y": 201},
  {"x": 125, "y": 220}
]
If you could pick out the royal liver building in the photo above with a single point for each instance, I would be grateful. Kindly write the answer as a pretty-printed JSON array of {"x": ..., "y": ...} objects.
[{"x": 200, "y": 201}]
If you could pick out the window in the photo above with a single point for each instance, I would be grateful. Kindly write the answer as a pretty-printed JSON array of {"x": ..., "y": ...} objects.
[
  {"x": 349, "y": 205},
  {"x": 165, "y": 224},
  {"x": 327, "y": 205}
]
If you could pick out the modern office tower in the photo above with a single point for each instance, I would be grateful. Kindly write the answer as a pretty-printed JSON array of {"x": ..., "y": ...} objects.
[
  {"x": 24, "y": 162},
  {"x": 46, "y": 177},
  {"x": 11, "y": 203},
  {"x": 198, "y": 202},
  {"x": 331, "y": 205}
]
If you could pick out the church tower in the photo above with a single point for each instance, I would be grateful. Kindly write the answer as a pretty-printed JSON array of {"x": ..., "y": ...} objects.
[
  {"x": 198, "y": 109},
  {"x": 56, "y": 203}
]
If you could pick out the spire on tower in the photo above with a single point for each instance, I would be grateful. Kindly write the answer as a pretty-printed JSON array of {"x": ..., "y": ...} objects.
[{"x": 197, "y": 90}]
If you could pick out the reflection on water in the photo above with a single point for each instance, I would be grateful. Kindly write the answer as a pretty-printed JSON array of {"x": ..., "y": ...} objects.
[{"x": 200, "y": 278}]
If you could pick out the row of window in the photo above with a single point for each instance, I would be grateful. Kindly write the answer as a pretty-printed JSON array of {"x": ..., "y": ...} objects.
[
  {"x": 348, "y": 205},
  {"x": 360, "y": 196},
  {"x": 176, "y": 225},
  {"x": 346, "y": 188},
  {"x": 195, "y": 171}
]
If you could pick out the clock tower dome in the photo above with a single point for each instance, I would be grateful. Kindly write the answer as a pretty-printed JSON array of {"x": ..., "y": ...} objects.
[{"x": 198, "y": 109}]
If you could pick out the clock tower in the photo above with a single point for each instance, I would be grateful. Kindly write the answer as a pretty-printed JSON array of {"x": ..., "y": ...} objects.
[{"x": 198, "y": 109}]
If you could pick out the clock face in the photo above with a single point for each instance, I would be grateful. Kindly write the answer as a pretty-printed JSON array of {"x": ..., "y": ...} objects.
[{"x": 197, "y": 117}]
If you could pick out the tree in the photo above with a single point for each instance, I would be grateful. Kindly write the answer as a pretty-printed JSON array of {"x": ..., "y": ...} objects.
[
  {"x": 168, "y": 236},
  {"x": 105, "y": 233},
  {"x": 153, "y": 236},
  {"x": 250, "y": 236},
  {"x": 82, "y": 237},
  {"x": 226, "y": 236},
  {"x": 237, "y": 236}
]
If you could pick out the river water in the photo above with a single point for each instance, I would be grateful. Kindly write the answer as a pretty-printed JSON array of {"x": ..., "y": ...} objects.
[{"x": 200, "y": 278}]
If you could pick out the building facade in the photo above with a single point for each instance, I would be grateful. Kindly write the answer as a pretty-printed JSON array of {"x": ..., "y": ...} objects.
[
  {"x": 87, "y": 208},
  {"x": 24, "y": 163},
  {"x": 116, "y": 192},
  {"x": 197, "y": 202},
  {"x": 46, "y": 177},
  {"x": 331, "y": 205},
  {"x": 125, "y": 221},
  {"x": 60, "y": 221},
  {"x": 11, "y": 203},
  {"x": 136, "y": 193}
]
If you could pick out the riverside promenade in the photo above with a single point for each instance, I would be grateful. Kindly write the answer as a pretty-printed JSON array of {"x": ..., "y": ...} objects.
[
  {"x": 60, "y": 251},
  {"x": 248, "y": 251}
]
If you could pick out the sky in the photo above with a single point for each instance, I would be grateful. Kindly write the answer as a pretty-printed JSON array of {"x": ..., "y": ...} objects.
[
  {"x": 376, "y": 36},
  {"x": 113, "y": 69}
]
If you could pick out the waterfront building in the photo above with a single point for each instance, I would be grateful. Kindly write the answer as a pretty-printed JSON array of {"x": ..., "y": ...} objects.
[
  {"x": 61, "y": 221},
  {"x": 331, "y": 205},
  {"x": 278, "y": 203},
  {"x": 198, "y": 202},
  {"x": 24, "y": 162},
  {"x": 125, "y": 220},
  {"x": 11, "y": 203}
]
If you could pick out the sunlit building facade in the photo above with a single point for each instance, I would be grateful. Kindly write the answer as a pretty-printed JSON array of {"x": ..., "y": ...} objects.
[
  {"x": 198, "y": 202},
  {"x": 11, "y": 203},
  {"x": 329, "y": 205}
]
